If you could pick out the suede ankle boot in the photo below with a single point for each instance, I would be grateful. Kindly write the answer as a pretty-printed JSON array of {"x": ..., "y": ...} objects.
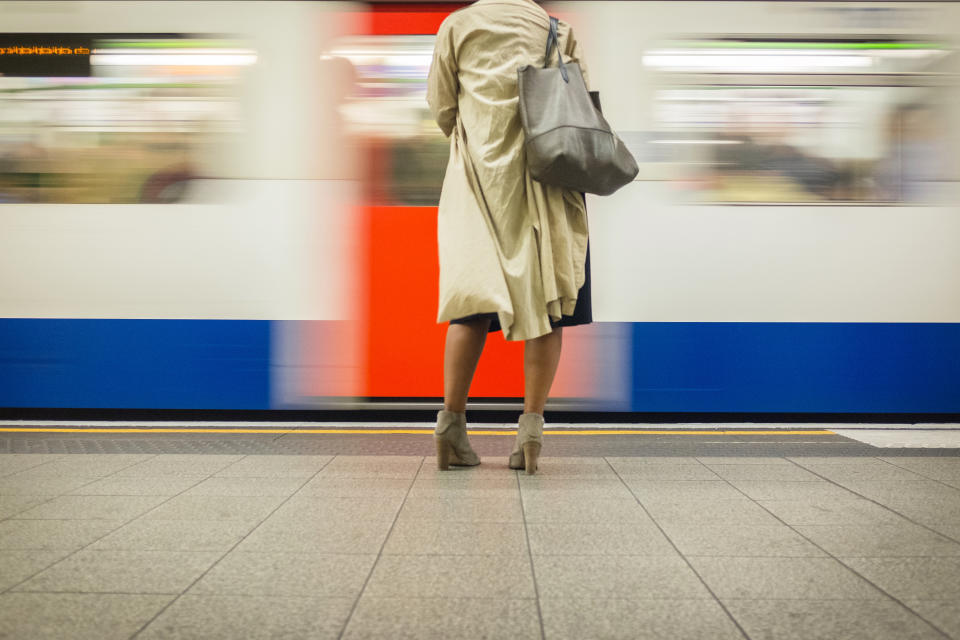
[
  {"x": 453, "y": 447},
  {"x": 526, "y": 448}
]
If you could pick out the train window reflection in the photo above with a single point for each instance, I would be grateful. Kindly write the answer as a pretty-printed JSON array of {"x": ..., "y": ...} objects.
[
  {"x": 153, "y": 115},
  {"x": 389, "y": 118},
  {"x": 747, "y": 121}
]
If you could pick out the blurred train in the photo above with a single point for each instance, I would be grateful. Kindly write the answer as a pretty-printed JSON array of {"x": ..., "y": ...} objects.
[{"x": 233, "y": 207}]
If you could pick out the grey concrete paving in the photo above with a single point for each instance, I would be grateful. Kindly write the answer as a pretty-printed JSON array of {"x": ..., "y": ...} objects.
[{"x": 815, "y": 540}]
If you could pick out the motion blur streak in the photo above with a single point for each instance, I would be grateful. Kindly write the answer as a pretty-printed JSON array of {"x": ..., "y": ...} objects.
[{"x": 217, "y": 209}]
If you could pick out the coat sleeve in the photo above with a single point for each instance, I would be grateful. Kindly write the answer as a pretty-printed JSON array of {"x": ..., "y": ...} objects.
[
  {"x": 443, "y": 86},
  {"x": 574, "y": 53}
]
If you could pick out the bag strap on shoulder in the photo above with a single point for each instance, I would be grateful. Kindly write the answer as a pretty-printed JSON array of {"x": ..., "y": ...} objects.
[{"x": 553, "y": 39}]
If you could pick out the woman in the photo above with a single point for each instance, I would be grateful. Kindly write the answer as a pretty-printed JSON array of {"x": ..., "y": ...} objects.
[{"x": 513, "y": 251}]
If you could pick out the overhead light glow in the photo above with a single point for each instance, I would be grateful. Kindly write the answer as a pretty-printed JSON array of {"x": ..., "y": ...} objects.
[{"x": 771, "y": 61}]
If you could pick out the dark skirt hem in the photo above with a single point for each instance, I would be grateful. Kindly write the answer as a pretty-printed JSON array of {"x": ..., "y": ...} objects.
[{"x": 582, "y": 312}]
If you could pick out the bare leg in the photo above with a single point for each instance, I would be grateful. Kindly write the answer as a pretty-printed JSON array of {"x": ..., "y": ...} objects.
[
  {"x": 461, "y": 354},
  {"x": 540, "y": 359}
]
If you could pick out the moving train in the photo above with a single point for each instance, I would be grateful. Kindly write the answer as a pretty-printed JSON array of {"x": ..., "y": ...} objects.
[{"x": 204, "y": 209}]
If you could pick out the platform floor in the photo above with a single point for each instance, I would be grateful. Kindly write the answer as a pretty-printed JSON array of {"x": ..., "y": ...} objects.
[{"x": 188, "y": 535}]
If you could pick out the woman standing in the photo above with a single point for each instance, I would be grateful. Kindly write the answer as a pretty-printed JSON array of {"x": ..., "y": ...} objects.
[{"x": 513, "y": 251}]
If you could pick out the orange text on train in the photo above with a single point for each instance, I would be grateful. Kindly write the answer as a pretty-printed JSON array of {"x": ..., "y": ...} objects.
[{"x": 43, "y": 51}]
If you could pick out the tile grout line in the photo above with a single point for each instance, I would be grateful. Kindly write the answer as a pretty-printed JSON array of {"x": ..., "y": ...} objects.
[
  {"x": 880, "y": 504},
  {"x": 743, "y": 631},
  {"x": 376, "y": 560},
  {"x": 838, "y": 560},
  {"x": 533, "y": 569},
  {"x": 39, "y": 464},
  {"x": 53, "y": 497},
  {"x": 937, "y": 480},
  {"x": 227, "y": 552},
  {"x": 95, "y": 540}
]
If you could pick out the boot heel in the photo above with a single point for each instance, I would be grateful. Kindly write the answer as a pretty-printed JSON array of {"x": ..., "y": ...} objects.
[
  {"x": 444, "y": 454},
  {"x": 531, "y": 451}
]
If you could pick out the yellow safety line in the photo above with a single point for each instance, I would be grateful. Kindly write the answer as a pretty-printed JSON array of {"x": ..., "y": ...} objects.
[{"x": 505, "y": 432}]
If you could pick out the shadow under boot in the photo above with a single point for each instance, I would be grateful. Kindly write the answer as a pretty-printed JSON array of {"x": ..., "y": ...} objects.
[
  {"x": 526, "y": 448},
  {"x": 453, "y": 447}
]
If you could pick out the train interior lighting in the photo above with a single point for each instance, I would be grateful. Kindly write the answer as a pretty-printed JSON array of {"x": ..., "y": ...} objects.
[{"x": 153, "y": 115}]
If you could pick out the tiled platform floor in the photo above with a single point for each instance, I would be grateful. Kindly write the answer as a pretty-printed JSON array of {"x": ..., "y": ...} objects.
[{"x": 383, "y": 546}]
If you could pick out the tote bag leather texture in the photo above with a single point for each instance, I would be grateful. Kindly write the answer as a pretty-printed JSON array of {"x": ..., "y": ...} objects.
[{"x": 568, "y": 141}]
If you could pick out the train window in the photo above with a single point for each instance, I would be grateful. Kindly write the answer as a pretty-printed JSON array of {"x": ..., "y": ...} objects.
[
  {"x": 135, "y": 120},
  {"x": 793, "y": 121},
  {"x": 387, "y": 115}
]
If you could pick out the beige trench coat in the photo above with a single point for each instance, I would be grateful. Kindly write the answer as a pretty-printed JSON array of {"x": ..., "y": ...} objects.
[{"x": 508, "y": 244}]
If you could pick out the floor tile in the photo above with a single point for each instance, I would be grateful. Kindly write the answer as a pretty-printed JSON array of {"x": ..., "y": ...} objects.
[
  {"x": 12, "y": 505},
  {"x": 759, "y": 460},
  {"x": 174, "y": 464},
  {"x": 735, "y": 511},
  {"x": 895, "y": 490},
  {"x": 904, "y": 539},
  {"x": 246, "y": 486},
  {"x": 503, "y": 494},
  {"x": 456, "y": 538},
  {"x": 92, "y": 508},
  {"x": 943, "y": 614},
  {"x": 593, "y": 468},
  {"x": 488, "y": 472},
  {"x": 372, "y": 467},
  {"x": 18, "y": 565},
  {"x": 53, "y": 534},
  {"x": 929, "y": 510},
  {"x": 255, "y": 618},
  {"x": 310, "y": 508},
  {"x": 115, "y": 571},
  {"x": 911, "y": 578},
  {"x": 11, "y": 463},
  {"x": 856, "y": 472},
  {"x": 829, "y": 620},
  {"x": 629, "y": 470},
  {"x": 680, "y": 490},
  {"x": 774, "y": 472},
  {"x": 943, "y": 469},
  {"x": 949, "y": 529},
  {"x": 440, "y": 576},
  {"x": 641, "y": 577},
  {"x": 850, "y": 510},
  {"x": 747, "y": 540},
  {"x": 598, "y": 539},
  {"x": 583, "y": 488},
  {"x": 791, "y": 490},
  {"x": 405, "y": 618},
  {"x": 177, "y": 535},
  {"x": 817, "y": 461},
  {"x": 554, "y": 508},
  {"x": 626, "y": 462},
  {"x": 79, "y": 616},
  {"x": 634, "y": 619},
  {"x": 89, "y": 464},
  {"x": 185, "y": 507},
  {"x": 275, "y": 466},
  {"x": 363, "y": 537},
  {"x": 776, "y": 578},
  {"x": 138, "y": 486},
  {"x": 355, "y": 487},
  {"x": 317, "y": 575},
  {"x": 460, "y": 508},
  {"x": 16, "y": 485}
]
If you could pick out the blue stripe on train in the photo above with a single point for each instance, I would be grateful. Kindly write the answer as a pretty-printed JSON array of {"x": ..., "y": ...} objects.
[
  {"x": 125, "y": 364},
  {"x": 676, "y": 367},
  {"x": 796, "y": 367}
]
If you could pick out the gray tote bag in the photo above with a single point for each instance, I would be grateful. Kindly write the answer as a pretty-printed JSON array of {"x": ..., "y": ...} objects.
[{"x": 568, "y": 141}]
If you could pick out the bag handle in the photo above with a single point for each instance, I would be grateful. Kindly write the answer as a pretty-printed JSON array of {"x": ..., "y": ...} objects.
[{"x": 554, "y": 39}]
